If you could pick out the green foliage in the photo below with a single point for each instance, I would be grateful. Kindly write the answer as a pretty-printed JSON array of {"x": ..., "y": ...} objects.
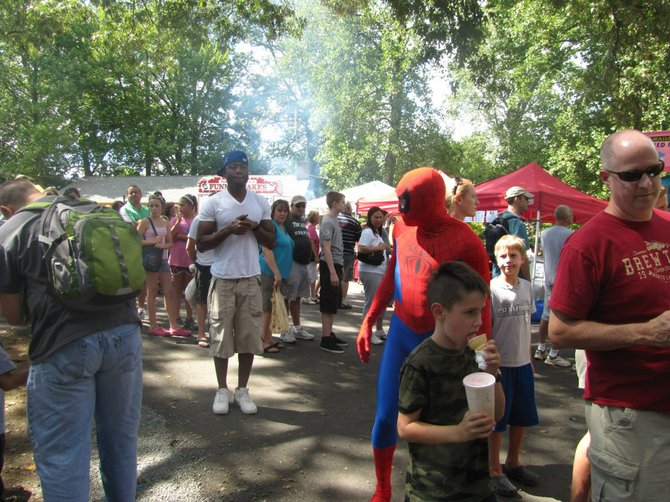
[
  {"x": 112, "y": 87},
  {"x": 166, "y": 86}
]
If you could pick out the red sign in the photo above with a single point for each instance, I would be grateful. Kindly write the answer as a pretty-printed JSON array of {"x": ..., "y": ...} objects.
[
  {"x": 661, "y": 141},
  {"x": 258, "y": 184}
]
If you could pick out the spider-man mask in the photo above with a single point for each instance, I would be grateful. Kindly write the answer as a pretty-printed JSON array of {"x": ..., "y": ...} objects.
[{"x": 421, "y": 196}]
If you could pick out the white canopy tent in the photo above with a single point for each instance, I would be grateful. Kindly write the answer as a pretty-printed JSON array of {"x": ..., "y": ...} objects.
[{"x": 371, "y": 189}]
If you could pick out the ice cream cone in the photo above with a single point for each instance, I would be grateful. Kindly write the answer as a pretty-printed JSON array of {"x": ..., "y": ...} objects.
[{"x": 477, "y": 342}]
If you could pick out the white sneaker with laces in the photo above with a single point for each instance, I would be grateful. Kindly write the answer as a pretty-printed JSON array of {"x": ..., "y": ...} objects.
[
  {"x": 222, "y": 401},
  {"x": 300, "y": 333},
  {"x": 557, "y": 361},
  {"x": 375, "y": 340},
  {"x": 243, "y": 400},
  {"x": 287, "y": 337}
]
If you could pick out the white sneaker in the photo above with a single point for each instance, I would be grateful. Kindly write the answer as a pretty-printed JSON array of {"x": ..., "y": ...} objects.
[
  {"x": 300, "y": 333},
  {"x": 221, "y": 401},
  {"x": 375, "y": 340},
  {"x": 140, "y": 313},
  {"x": 381, "y": 334},
  {"x": 243, "y": 400},
  {"x": 557, "y": 361},
  {"x": 287, "y": 337}
]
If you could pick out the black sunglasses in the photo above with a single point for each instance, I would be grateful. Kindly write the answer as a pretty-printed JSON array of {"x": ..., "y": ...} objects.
[
  {"x": 300, "y": 204},
  {"x": 630, "y": 176}
]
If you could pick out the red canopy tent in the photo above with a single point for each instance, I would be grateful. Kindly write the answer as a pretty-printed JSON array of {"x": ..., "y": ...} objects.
[
  {"x": 549, "y": 192},
  {"x": 388, "y": 202}
]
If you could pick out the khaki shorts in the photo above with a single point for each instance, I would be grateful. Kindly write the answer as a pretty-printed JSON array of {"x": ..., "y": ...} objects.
[
  {"x": 268, "y": 288},
  {"x": 235, "y": 317},
  {"x": 348, "y": 267},
  {"x": 629, "y": 454}
]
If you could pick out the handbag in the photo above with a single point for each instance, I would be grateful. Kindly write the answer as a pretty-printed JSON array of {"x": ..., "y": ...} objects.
[
  {"x": 376, "y": 258},
  {"x": 152, "y": 257},
  {"x": 279, "y": 319}
]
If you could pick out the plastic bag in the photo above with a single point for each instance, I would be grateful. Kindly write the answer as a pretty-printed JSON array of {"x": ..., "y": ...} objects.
[
  {"x": 191, "y": 292},
  {"x": 279, "y": 319}
]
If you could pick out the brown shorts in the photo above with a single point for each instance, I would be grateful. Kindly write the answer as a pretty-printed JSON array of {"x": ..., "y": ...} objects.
[{"x": 235, "y": 316}]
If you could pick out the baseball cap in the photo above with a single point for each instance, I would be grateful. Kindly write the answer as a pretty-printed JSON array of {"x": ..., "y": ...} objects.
[
  {"x": 516, "y": 191},
  {"x": 297, "y": 199},
  {"x": 231, "y": 157}
]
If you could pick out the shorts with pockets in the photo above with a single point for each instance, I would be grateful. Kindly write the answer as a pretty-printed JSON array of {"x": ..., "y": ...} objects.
[{"x": 235, "y": 315}]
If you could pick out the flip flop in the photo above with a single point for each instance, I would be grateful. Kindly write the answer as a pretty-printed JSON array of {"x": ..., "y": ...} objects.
[
  {"x": 179, "y": 332},
  {"x": 203, "y": 342},
  {"x": 271, "y": 349},
  {"x": 278, "y": 343},
  {"x": 522, "y": 475},
  {"x": 159, "y": 332},
  {"x": 503, "y": 487}
]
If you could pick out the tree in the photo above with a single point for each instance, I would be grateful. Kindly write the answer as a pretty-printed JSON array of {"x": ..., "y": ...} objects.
[{"x": 103, "y": 87}]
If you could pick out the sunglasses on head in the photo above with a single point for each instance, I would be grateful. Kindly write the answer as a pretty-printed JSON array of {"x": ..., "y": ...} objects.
[
  {"x": 651, "y": 171},
  {"x": 458, "y": 181}
]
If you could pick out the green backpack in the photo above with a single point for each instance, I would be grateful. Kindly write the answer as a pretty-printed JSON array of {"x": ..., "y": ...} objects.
[{"x": 93, "y": 257}]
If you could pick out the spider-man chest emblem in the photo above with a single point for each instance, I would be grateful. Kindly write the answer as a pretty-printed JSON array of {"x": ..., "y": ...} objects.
[
  {"x": 417, "y": 261},
  {"x": 414, "y": 267}
]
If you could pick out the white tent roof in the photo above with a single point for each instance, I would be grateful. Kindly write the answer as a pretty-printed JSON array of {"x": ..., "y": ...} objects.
[{"x": 371, "y": 189}]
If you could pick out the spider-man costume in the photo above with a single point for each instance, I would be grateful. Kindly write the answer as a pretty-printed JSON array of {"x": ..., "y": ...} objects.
[{"x": 427, "y": 238}]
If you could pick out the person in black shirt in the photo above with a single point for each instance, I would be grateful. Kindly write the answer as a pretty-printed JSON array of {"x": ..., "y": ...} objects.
[{"x": 298, "y": 281}]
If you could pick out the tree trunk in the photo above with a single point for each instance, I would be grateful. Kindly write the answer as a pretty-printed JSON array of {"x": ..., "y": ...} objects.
[{"x": 390, "y": 160}]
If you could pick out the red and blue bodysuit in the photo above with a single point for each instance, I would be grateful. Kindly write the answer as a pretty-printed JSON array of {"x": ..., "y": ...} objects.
[{"x": 427, "y": 237}]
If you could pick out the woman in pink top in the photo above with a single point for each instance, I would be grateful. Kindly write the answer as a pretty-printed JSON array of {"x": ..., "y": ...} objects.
[
  {"x": 154, "y": 232},
  {"x": 312, "y": 222},
  {"x": 179, "y": 261}
]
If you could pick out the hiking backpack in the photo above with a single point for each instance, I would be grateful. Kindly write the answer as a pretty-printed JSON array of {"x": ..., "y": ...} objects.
[
  {"x": 93, "y": 257},
  {"x": 493, "y": 231}
]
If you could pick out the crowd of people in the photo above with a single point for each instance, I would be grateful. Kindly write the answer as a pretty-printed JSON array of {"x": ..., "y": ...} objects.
[{"x": 239, "y": 262}]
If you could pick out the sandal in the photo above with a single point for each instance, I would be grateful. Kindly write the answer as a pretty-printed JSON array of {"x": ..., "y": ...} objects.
[
  {"x": 522, "y": 475},
  {"x": 159, "y": 332},
  {"x": 179, "y": 332},
  {"x": 271, "y": 349},
  {"x": 503, "y": 487},
  {"x": 278, "y": 343},
  {"x": 203, "y": 342}
]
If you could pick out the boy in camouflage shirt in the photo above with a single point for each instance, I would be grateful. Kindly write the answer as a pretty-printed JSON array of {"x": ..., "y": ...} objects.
[{"x": 447, "y": 443}]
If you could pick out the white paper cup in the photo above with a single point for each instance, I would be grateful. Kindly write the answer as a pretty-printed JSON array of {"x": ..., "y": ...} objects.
[{"x": 480, "y": 392}]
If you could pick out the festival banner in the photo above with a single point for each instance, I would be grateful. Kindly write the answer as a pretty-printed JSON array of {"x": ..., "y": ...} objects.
[{"x": 661, "y": 140}]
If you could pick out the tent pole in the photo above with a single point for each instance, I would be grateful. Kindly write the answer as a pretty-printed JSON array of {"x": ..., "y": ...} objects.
[{"x": 537, "y": 241}]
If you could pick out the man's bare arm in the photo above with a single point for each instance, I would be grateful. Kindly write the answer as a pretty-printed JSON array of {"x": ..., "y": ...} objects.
[
  {"x": 265, "y": 234},
  {"x": 565, "y": 331},
  {"x": 209, "y": 238},
  {"x": 11, "y": 306}
]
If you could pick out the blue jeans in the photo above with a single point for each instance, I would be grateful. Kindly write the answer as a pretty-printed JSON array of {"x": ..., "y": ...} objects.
[{"x": 97, "y": 374}]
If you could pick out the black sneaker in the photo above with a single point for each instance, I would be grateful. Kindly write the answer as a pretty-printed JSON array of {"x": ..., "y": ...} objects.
[
  {"x": 345, "y": 306},
  {"x": 339, "y": 341},
  {"x": 329, "y": 345}
]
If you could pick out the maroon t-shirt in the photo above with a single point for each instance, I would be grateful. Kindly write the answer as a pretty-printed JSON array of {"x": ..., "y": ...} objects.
[{"x": 617, "y": 272}]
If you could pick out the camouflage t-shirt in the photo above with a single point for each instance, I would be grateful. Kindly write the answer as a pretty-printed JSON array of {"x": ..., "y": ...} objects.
[{"x": 432, "y": 380}]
